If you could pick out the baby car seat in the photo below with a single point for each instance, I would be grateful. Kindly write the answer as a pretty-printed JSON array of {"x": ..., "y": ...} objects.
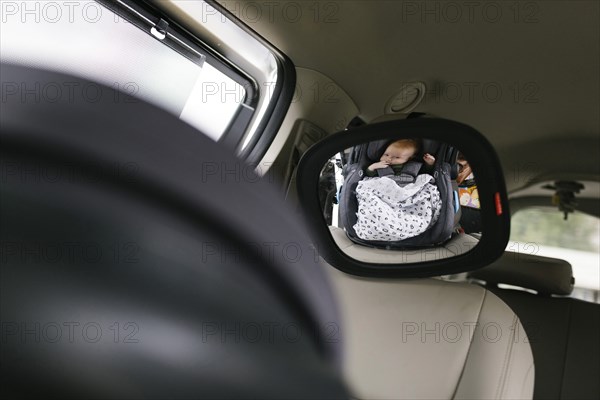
[{"x": 444, "y": 173}]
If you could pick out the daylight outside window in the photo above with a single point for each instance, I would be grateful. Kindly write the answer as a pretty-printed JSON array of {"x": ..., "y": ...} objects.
[
  {"x": 87, "y": 40},
  {"x": 544, "y": 232},
  {"x": 258, "y": 59}
]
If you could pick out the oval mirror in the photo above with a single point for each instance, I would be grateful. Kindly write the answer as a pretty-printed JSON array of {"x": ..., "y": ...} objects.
[{"x": 405, "y": 195}]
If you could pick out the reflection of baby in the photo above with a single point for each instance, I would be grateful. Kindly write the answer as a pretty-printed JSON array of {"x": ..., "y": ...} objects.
[
  {"x": 403, "y": 205},
  {"x": 395, "y": 157}
]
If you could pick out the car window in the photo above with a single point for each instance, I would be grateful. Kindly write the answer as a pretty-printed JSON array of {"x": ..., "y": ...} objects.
[
  {"x": 131, "y": 47},
  {"x": 544, "y": 232}
]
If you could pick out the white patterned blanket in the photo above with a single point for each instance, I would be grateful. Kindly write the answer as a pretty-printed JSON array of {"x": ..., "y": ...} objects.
[{"x": 389, "y": 212}]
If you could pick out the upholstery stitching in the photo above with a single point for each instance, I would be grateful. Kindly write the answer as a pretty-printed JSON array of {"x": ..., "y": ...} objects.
[
  {"x": 523, "y": 385},
  {"x": 506, "y": 365},
  {"x": 462, "y": 372},
  {"x": 564, "y": 363}
]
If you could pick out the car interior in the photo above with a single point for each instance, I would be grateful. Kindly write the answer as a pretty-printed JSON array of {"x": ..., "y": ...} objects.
[{"x": 300, "y": 199}]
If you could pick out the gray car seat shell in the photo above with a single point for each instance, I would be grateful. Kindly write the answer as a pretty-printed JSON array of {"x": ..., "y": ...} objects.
[
  {"x": 141, "y": 259},
  {"x": 438, "y": 233}
]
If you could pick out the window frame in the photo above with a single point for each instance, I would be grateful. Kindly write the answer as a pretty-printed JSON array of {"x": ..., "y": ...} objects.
[
  {"x": 283, "y": 93},
  {"x": 145, "y": 15}
]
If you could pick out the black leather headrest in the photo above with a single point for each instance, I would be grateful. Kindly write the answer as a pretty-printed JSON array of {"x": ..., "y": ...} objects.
[
  {"x": 141, "y": 259},
  {"x": 542, "y": 274}
]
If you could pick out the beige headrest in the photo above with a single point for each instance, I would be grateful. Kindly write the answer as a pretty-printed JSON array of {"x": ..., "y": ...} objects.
[{"x": 542, "y": 274}]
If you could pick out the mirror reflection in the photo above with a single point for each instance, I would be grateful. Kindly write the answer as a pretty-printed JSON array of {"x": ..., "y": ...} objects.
[{"x": 401, "y": 200}]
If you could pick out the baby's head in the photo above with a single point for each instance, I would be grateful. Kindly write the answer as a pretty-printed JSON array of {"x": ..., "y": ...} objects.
[{"x": 400, "y": 151}]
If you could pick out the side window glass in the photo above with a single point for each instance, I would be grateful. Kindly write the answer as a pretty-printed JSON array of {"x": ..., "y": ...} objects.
[
  {"x": 544, "y": 232},
  {"x": 230, "y": 89}
]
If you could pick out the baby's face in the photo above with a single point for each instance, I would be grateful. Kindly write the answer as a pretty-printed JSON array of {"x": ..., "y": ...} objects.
[{"x": 394, "y": 155}]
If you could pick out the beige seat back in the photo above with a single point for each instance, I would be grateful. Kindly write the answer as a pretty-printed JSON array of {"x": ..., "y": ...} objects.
[{"x": 430, "y": 339}]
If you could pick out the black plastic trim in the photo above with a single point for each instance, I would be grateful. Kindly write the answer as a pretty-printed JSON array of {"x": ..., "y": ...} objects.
[{"x": 490, "y": 183}]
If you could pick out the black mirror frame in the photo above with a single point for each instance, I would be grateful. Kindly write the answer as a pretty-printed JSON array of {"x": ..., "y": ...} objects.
[{"x": 490, "y": 184}]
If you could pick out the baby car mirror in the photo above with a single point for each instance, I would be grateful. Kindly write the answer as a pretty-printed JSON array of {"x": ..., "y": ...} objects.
[{"x": 405, "y": 198}]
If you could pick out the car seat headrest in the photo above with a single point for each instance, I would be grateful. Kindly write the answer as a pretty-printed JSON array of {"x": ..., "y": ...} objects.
[
  {"x": 117, "y": 212},
  {"x": 376, "y": 148},
  {"x": 545, "y": 275}
]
